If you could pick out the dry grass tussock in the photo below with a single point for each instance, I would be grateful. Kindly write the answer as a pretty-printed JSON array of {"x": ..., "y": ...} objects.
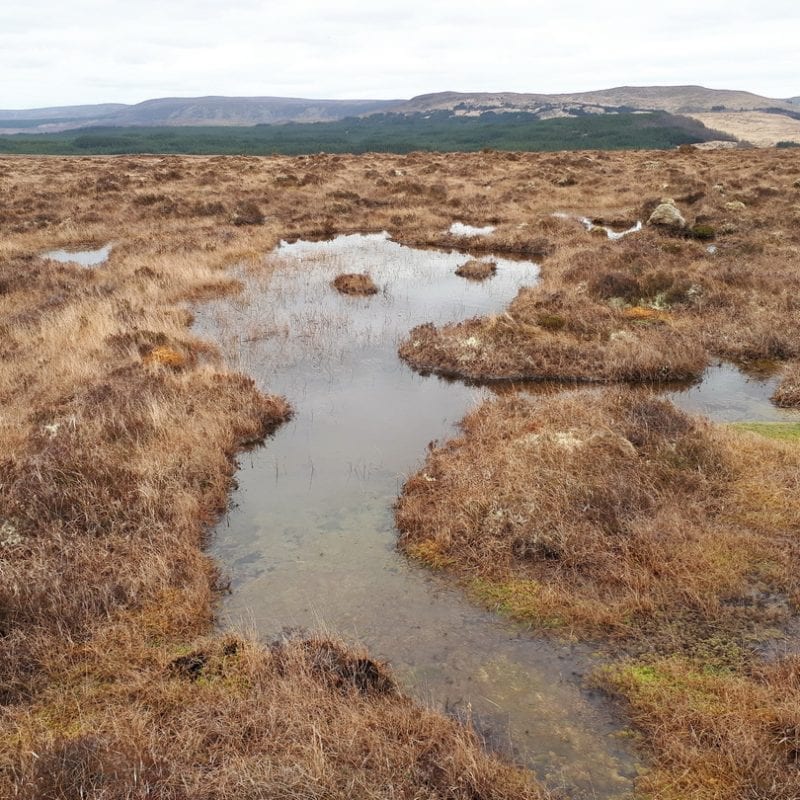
[
  {"x": 228, "y": 718},
  {"x": 650, "y": 307},
  {"x": 719, "y": 733},
  {"x": 612, "y": 514},
  {"x": 358, "y": 283},
  {"x": 475, "y": 270},
  {"x": 611, "y": 511},
  {"x": 788, "y": 392},
  {"x": 118, "y": 432}
]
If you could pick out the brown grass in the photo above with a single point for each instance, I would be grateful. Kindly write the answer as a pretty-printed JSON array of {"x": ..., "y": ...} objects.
[
  {"x": 228, "y": 718},
  {"x": 647, "y": 308},
  {"x": 611, "y": 513},
  {"x": 717, "y": 733},
  {"x": 558, "y": 336},
  {"x": 357, "y": 283},
  {"x": 475, "y": 270},
  {"x": 787, "y": 394}
]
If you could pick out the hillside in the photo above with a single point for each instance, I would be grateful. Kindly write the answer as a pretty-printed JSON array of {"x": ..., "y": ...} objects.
[
  {"x": 182, "y": 111},
  {"x": 62, "y": 112},
  {"x": 244, "y": 111},
  {"x": 675, "y": 99},
  {"x": 754, "y": 127}
]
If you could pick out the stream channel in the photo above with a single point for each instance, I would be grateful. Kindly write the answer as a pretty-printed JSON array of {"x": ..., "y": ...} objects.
[{"x": 309, "y": 541}]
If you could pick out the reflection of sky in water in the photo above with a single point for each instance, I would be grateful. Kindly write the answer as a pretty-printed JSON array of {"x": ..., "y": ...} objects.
[
  {"x": 727, "y": 395},
  {"x": 85, "y": 258},
  {"x": 310, "y": 542}
]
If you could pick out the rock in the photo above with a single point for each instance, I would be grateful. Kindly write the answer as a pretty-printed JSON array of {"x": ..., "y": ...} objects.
[
  {"x": 735, "y": 205},
  {"x": 667, "y": 215}
]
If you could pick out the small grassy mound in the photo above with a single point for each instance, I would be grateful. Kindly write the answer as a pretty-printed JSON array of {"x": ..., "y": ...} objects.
[
  {"x": 475, "y": 270},
  {"x": 583, "y": 342},
  {"x": 358, "y": 283},
  {"x": 610, "y": 511}
]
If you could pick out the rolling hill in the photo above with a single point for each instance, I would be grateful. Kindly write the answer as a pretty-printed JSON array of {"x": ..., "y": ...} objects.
[
  {"x": 183, "y": 111},
  {"x": 204, "y": 111}
]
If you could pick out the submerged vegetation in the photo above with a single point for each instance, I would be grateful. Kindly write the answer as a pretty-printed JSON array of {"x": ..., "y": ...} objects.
[{"x": 119, "y": 429}]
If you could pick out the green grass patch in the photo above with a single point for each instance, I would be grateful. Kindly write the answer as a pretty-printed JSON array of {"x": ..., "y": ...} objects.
[{"x": 782, "y": 431}]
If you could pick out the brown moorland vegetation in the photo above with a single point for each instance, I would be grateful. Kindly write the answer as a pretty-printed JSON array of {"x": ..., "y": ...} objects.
[
  {"x": 610, "y": 513},
  {"x": 118, "y": 430},
  {"x": 788, "y": 393},
  {"x": 654, "y": 305}
]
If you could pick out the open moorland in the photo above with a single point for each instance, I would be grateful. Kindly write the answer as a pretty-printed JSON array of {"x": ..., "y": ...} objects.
[{"x": 603, "y": 513}]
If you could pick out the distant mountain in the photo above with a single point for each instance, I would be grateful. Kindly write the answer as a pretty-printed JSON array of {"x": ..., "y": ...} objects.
[
  {"x": 58, "y": 113},
  {"x": 248, "y": 111},
  {"x": 794, "y": 100},
  {"x": 244, "y": 110},
  {"x": 170, "y": 111}
]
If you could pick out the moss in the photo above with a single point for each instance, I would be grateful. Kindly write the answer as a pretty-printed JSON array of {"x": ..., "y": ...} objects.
[
  {"x": 670, "y": 682},
  {"x": 782, "y": 431},
  {"x": 703, "y": 232}
]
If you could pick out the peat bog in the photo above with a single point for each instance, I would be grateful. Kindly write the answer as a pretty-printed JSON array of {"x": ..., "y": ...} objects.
[{"x": 660, "y": 568}]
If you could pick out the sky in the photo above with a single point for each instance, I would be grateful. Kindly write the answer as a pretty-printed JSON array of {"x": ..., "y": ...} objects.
[{"x": 54, "y": 52}]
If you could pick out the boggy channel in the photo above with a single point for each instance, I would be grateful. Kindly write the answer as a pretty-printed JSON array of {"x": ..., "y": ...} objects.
[{"x": 310, "y": 539}]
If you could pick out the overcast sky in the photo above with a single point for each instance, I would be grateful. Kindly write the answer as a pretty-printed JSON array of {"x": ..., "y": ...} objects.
[{"x": 63, "y": 52}]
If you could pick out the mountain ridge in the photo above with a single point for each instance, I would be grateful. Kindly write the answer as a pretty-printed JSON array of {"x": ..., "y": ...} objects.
[{"x": 245, "y": 111}]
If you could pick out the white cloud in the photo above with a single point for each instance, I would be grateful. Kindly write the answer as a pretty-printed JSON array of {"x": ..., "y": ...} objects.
[{"x": 55, "y": 53}]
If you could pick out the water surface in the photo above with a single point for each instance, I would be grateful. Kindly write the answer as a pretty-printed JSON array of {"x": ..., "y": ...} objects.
[{"x": 84, "y": 258}]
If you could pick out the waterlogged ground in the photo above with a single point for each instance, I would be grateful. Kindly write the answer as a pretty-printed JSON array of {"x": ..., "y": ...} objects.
[
  {"x": 311, "y": 540},
  {"x": 84, "y": 258}
]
